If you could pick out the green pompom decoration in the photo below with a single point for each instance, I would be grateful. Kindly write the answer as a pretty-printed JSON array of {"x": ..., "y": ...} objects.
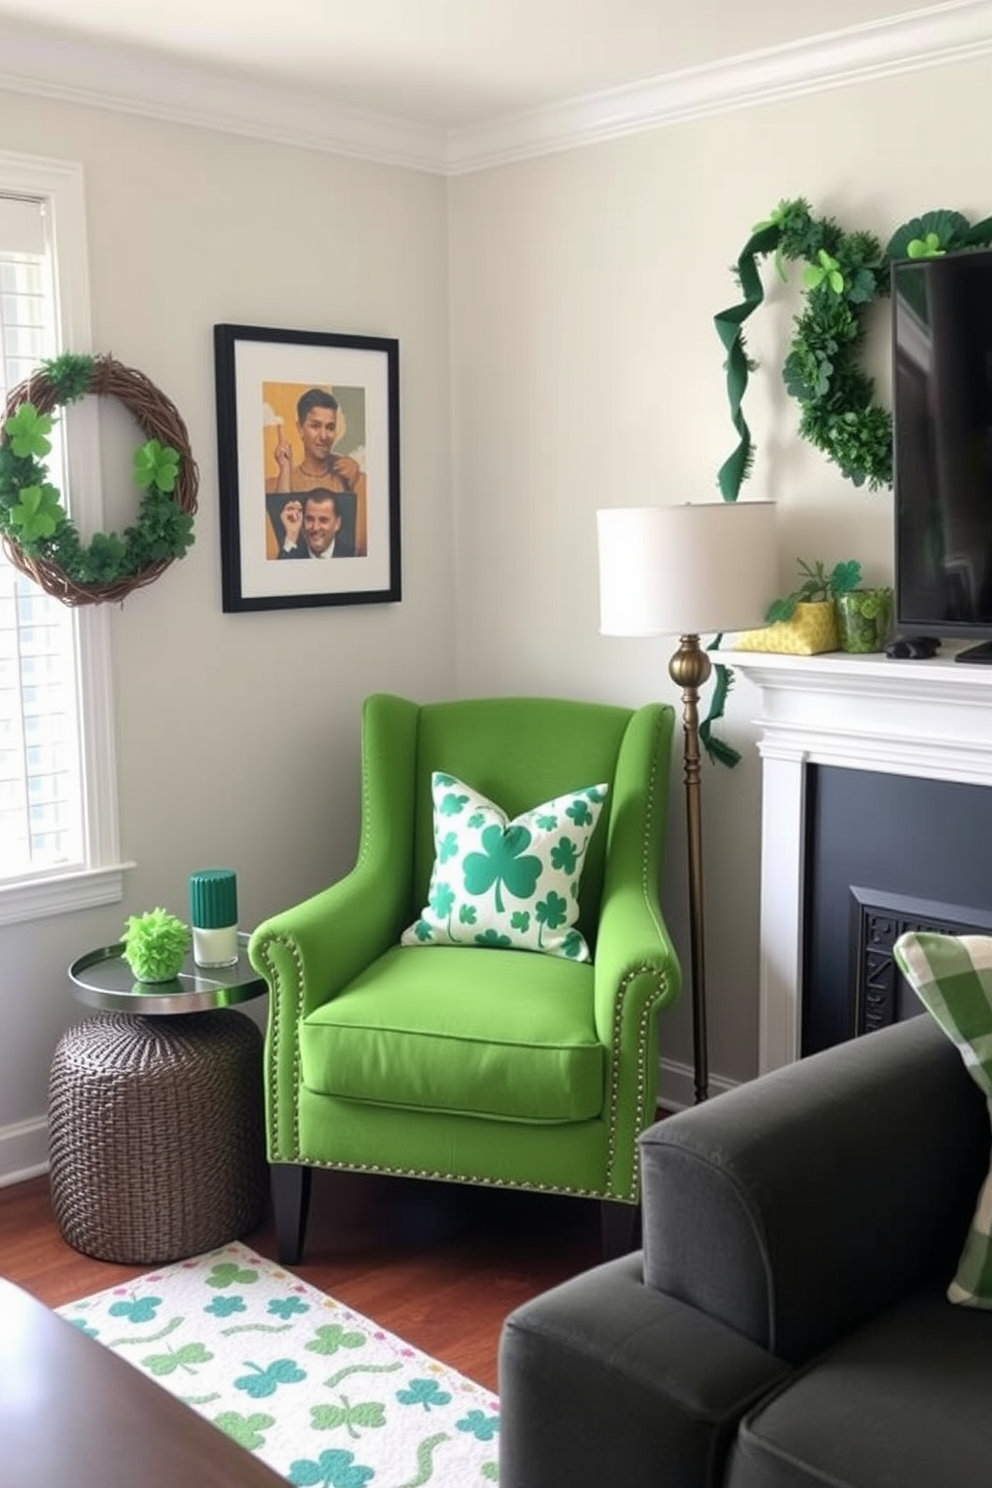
[{"x": 155, "y": 945}]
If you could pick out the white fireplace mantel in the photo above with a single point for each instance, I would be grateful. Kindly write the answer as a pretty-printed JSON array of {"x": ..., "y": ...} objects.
[{"x": 931, "y": 719}]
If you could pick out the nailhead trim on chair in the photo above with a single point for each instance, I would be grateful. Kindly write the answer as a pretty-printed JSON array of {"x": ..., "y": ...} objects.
[
  {"x": 436, "y": 1174},
  {"x": 645, "y": 1018},
  {"x": 275, "y": 982},
  {"x": 645, "y": 1116}
]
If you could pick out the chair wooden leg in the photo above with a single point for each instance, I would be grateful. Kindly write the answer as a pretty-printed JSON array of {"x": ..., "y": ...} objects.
[
  {"x": 291, "y": 1205},
  {"x": 620, "y": 1228}
]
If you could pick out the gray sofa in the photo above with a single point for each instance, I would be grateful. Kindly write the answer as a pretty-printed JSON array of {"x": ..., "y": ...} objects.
[{"x": 786, "y": 1324}]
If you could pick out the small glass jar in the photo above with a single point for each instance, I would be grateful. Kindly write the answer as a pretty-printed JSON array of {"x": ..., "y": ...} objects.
[
  {"x": 213, "y": 904},
  {"x": 864, "y": 619}
]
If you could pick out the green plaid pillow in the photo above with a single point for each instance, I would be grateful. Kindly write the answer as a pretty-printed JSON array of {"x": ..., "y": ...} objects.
[{"x": 952, "y": 976}]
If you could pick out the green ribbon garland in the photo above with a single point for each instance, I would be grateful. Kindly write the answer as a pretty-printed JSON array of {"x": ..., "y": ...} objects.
[
  {"x": 736, "y": 467},
  {"x": 718, "y": 749}
]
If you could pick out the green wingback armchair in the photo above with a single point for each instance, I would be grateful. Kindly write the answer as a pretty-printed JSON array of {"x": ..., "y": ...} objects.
[{"x": 467, "y": 1063}]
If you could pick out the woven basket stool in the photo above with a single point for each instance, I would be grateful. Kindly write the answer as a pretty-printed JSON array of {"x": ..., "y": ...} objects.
[{"x": 156, "y": 1134}]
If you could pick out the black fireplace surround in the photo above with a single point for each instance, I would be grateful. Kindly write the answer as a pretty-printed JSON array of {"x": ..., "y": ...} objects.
[{"x": 883, "y": 853}]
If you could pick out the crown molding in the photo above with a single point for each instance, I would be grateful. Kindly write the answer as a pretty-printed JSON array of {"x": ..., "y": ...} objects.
[
  {"x": 128, "y": 81},
  {"x": 131, "y": 82},
  {"x": 926, "y": 38}
]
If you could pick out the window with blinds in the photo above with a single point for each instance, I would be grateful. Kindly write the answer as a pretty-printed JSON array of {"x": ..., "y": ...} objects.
[
  {"x": 59, "y": 847},
  {"x": 41, "y": 816}
]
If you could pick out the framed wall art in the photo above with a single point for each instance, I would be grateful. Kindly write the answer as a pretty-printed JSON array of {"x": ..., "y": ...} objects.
[{"x": 308, "y": 461}]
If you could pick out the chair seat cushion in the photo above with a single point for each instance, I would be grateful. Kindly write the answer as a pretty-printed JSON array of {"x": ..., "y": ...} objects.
[
  {"x": 903, "y": 1401},
  {"x": 410, "y": 1031}
]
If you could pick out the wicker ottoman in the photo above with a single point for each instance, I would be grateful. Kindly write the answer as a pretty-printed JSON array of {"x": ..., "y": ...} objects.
[{"x": 156, "y": 1134}]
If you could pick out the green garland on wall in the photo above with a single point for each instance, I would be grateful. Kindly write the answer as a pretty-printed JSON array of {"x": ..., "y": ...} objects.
[{"x": 845, "y": 272}]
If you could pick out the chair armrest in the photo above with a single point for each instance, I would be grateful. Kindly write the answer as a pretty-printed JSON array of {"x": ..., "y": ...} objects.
[
  {"x": 602, "y": 1380},
  {"x": 306, "y": 955},
  {"x": 633, "y": 942},
  {"x": 795, "y": 1207},
  {"x": 636, "y": 968},
  {"x": 322, "y": 943},
  {"x": 636, "y": 974}
]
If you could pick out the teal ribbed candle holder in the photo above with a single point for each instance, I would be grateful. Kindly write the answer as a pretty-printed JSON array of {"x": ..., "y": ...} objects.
[{"x": 213, "y": 912}]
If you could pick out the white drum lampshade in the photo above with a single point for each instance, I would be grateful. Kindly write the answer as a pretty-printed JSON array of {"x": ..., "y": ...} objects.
[{"x": 686, "y": 570}]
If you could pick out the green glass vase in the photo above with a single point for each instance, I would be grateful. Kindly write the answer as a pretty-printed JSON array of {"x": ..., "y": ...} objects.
[{"x": 864, "y": 619}]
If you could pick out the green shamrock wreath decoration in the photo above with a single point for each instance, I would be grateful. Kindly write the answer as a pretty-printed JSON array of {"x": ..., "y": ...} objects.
[
  {"x": 845, "y": 272},
  {"x": 36, "y": 530}
]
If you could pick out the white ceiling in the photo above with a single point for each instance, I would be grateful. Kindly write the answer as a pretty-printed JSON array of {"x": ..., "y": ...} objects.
[{"x": 446, "y": 64}]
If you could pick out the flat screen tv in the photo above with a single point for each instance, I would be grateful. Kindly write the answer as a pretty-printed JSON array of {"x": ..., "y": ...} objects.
[{"x": 942, "y": 448}]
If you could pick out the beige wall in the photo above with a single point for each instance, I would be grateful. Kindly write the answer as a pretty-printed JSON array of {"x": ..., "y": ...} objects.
[
  {"x": 555, "y": 321},
  {"x": 238, "y": 734}
]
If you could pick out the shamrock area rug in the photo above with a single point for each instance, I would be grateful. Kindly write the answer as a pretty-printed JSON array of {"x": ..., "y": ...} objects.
[{"x": 318, "y": 1392}]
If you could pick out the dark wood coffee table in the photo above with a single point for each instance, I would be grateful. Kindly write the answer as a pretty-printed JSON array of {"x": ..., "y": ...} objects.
[{"x": 73, "y": 1412}]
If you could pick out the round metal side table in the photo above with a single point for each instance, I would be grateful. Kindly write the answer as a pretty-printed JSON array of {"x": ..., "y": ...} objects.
[{"x": 155, "y": 1112}]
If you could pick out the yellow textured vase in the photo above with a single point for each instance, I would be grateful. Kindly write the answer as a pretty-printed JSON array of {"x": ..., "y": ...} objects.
[{"x": 813, "y": 628}]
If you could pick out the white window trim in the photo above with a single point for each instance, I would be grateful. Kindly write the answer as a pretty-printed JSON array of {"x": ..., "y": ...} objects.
[{"x": 60, "y": 183}]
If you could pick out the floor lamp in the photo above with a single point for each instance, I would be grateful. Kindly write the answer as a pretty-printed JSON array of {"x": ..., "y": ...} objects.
[{"x": 688, "y": 571}]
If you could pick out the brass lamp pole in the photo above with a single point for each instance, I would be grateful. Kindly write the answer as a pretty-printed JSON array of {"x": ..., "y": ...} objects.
[{"x": 690, "y": 668}]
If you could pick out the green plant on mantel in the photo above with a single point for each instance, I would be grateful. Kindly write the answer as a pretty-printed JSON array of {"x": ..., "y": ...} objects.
[{"x": 817, "y": 585}]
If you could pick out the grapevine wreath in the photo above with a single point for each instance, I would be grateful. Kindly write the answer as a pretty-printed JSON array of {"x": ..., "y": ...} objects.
[
  {"x": 37, "y": 534},
  {"x": 845, "y": 272}
]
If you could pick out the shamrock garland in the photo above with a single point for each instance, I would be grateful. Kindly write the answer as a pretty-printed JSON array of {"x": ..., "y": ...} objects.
[
  {"x": 34, "y": 524},
  {"x": 845, "y": 272}
]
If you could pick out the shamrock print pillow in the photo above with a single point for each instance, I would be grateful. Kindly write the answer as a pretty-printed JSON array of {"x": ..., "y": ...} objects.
[{"x": 510, "y": 885}]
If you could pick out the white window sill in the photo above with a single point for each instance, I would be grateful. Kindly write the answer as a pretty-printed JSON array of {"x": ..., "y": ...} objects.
[{"x": 36, "y": 898}]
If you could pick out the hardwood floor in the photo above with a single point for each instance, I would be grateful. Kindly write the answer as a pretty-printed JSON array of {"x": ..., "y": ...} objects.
[{"x": 439, "y": 1265}]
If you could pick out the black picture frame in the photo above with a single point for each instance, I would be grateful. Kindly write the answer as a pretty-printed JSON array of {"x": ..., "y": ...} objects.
[{"x": 269, "y": 460}]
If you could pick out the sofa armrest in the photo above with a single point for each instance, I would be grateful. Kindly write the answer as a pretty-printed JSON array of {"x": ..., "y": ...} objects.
[
  {"x": 603, "y": 1381},
  {"x": 796, "y": 1206}
]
